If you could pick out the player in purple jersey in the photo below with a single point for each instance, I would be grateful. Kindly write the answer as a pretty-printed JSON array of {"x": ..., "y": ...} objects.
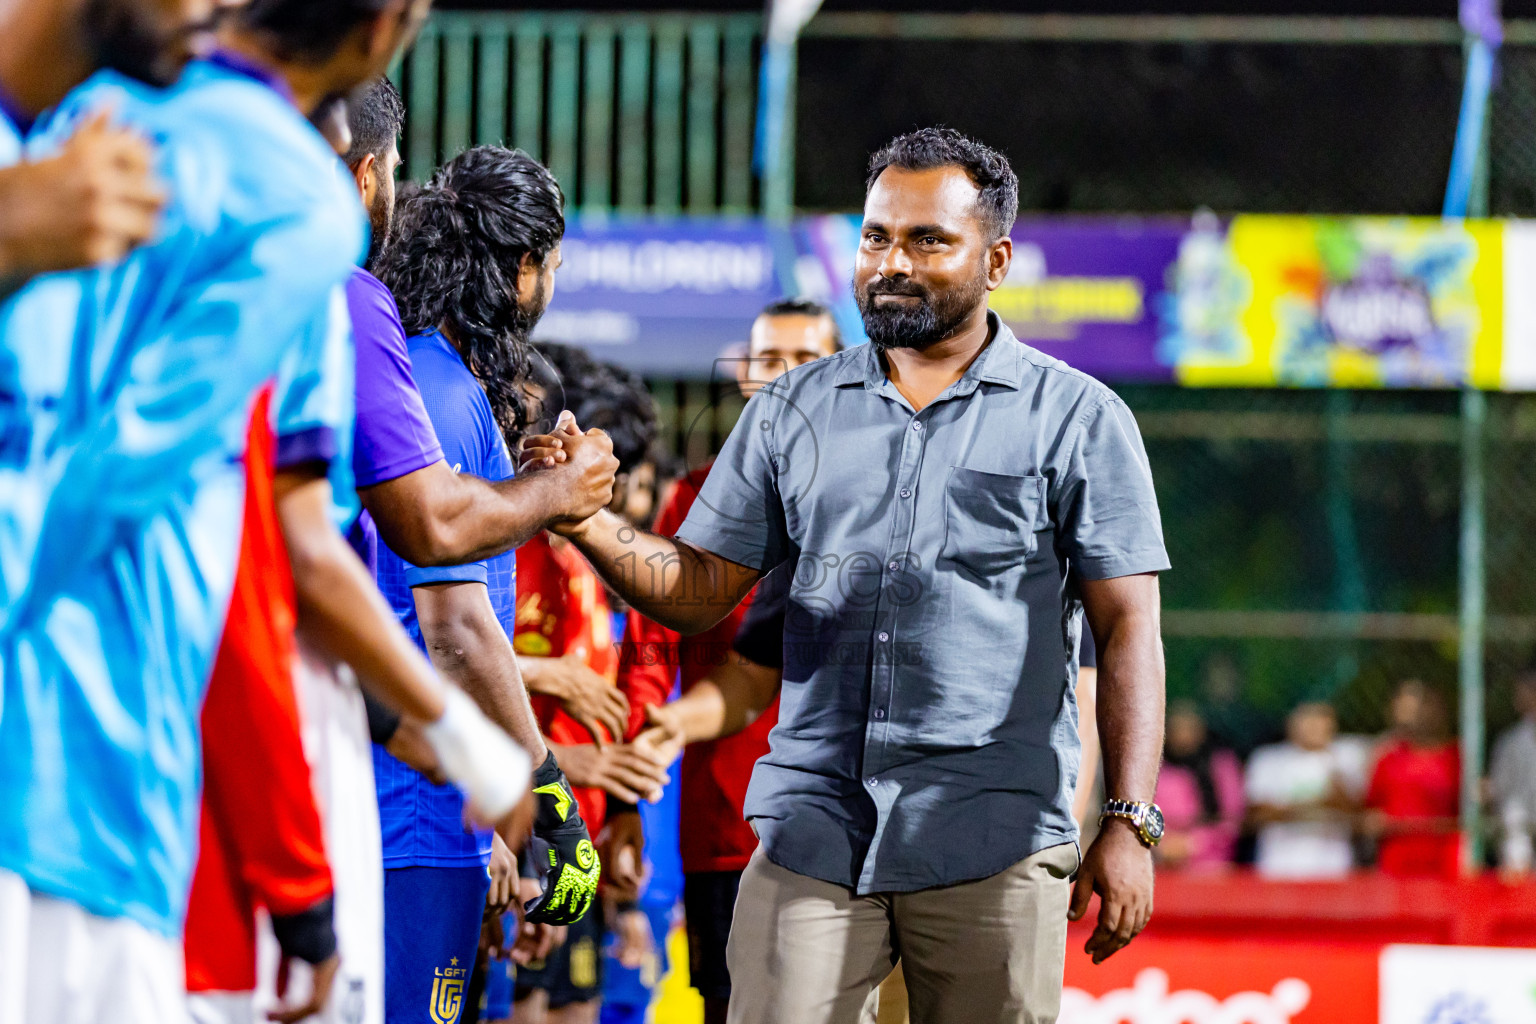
[{"x": 96, "y": 198}]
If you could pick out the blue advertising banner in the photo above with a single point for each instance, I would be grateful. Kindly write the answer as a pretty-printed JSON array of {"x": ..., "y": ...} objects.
[{"x": 662, "y": 298}]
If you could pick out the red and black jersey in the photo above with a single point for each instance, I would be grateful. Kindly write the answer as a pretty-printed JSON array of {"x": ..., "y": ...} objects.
[
  {"x": 562, "y": 609},
  {"x": 261, "y": 839}
]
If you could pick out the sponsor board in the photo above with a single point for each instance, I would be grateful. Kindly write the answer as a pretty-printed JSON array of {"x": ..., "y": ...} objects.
[
  {"x": 1255, "y": 301},
  {"x": 1457, "y": 985},
  {"x": 1199, "y": 981}
]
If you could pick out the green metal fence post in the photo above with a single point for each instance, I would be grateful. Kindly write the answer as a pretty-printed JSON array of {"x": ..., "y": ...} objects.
[
  {"x": 422, "y": 128},
  {"x": 491, "y": 113},
  {"x": 667, "y": 118},
  {"x": 458, "y": 87},
  {"x": 528, "y": 90},
  {"x": 634, "y": 100},
  {"x": 1473, "y": 622},
  {"x": 703, "y": 106},
  {"x": 564, "y": 92},
  {"x": 597, "y": 127}
]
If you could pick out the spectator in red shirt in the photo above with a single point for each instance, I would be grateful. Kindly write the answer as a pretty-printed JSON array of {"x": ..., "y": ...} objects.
[
  {"x": 716, "y": 840},
  {"x": 1413, "y": 799}
]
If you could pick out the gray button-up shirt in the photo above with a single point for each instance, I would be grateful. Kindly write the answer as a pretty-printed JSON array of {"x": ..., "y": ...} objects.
[{"x": 928, "y": 727}]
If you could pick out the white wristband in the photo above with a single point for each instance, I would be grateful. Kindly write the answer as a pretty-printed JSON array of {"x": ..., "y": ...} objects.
[{"x": 481, "y": 759}]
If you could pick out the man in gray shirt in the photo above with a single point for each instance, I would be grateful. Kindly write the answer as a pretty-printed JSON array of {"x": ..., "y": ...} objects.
[{"x": 951, "y": 500}]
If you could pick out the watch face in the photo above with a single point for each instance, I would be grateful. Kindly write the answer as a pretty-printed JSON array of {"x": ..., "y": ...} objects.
[{"x": 1153, "y": 822}]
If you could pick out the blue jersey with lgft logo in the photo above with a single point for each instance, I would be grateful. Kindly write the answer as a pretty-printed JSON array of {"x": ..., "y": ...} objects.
[{"x": 423, "y": 824}]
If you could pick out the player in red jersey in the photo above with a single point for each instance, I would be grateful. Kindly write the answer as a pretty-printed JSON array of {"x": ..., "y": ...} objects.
[
  {"x": 717, "y": 843},
  {"x": 1414, "y": 796},
  {"x": 260, "y": 842}
]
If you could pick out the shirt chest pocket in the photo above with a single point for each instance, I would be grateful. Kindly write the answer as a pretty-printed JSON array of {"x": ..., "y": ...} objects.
[{"x": 990, "y": 519}]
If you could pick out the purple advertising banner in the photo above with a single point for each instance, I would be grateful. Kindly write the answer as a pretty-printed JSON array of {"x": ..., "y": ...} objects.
[
  {"x": 668, "y": 298},
  {"x": 660, "y": 297},
  {"x": 1089, "y": 292}
]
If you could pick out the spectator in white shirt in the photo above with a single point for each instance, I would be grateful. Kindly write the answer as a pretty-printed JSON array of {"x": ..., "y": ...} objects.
[
  {"x": 1299, "y": 799},
  {"x": 1513, "y": 777}
]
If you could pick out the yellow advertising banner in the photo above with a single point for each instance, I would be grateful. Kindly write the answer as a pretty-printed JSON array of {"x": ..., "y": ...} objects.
[{"x": 1358, "y": 302}]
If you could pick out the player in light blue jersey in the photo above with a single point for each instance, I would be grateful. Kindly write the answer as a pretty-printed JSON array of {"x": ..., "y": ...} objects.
[
  {"x": 96, "y": 198},
  {"x": 107, "y": 642}
]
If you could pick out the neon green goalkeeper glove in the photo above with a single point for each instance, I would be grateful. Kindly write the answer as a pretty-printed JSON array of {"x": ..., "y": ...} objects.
[{"x": 570, "y": 867}]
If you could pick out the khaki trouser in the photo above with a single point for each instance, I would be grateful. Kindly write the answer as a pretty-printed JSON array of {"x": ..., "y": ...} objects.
[{"x": 804, "y": 951}]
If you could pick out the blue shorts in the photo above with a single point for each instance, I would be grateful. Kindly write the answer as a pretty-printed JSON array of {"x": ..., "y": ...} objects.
[
  {"x": 431, "y": 936},
  {"x": 631, "y": 987},
  {"x": 496, "y": 1003}
]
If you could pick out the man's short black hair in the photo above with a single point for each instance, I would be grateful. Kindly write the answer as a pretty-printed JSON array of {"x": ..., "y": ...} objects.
[
  {"x": 928, "y": 148},
  {"x": 309, "y": 30},
  {"x": 375, "y": 113},
  {"x": 805, "y": 307}
]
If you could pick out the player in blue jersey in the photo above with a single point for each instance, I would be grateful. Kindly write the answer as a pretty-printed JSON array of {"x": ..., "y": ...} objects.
[
  {"x": 472, "y": 266},
  {"x": 96, "y": 197},
  {"x": 106, "y": 642}
]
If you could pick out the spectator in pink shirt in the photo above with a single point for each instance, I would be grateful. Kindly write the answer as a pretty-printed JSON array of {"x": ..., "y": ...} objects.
[{"x": 1201, "y": 794}]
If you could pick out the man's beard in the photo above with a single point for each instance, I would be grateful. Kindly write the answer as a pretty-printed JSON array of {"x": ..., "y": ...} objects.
[
  {"x": 381, "y": 216},
  {"x": 526, "y": 318},
  {"x": 126, "y": 39},
  {"x": 918, "y": 326}
]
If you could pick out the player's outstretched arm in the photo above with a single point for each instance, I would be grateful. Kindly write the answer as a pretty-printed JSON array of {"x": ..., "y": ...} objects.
[
  {"x": 435, "y": 516},
  {"x": 683, "y": 587},
  {"x": 342, "y": 613},
  {"x": 90, "y": 203}
]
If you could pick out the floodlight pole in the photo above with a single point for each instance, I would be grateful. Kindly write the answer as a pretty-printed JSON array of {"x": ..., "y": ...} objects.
[{"x": 1466, "y": 195}]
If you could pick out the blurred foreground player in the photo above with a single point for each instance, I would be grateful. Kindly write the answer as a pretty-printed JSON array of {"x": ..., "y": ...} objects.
[
  {"x": 260, "y": 842},
  {"x": 107, "y": 651},
  {"x": 977, "y": 471},
  {"x": 715, "y": 771},
  {"x": 96, "y": 197},
  {"x": 472, "y": 266}
]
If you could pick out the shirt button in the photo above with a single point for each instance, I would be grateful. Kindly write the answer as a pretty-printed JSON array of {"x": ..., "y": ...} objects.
[
  {"x": 880, "y": 713},
  {"x": 884, "y": 636},
  {"x": 906, "y": 493},
  {"x": 917, "y": 425},
  {"x": 872, "y": 782},
  {"x": 894, "y": 566}
]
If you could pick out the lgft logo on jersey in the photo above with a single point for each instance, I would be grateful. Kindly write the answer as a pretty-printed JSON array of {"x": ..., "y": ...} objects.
[{"x": 448, "y": 992}]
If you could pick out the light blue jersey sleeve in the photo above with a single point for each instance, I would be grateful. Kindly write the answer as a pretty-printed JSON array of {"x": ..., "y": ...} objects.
[
  {"x": 182, "y": 332},
  {"x": 312, "y": 404}
]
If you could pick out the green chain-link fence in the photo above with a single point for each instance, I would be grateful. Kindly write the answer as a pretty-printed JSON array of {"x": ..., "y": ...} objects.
[{"x": 1316, "y": 536}]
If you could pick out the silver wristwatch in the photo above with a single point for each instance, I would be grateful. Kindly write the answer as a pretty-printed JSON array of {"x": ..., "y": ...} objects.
[{"x": 1144, "y": 816}]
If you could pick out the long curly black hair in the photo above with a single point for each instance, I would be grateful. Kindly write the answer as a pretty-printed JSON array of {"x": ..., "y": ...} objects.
[{"x": 453, "y": 262}]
